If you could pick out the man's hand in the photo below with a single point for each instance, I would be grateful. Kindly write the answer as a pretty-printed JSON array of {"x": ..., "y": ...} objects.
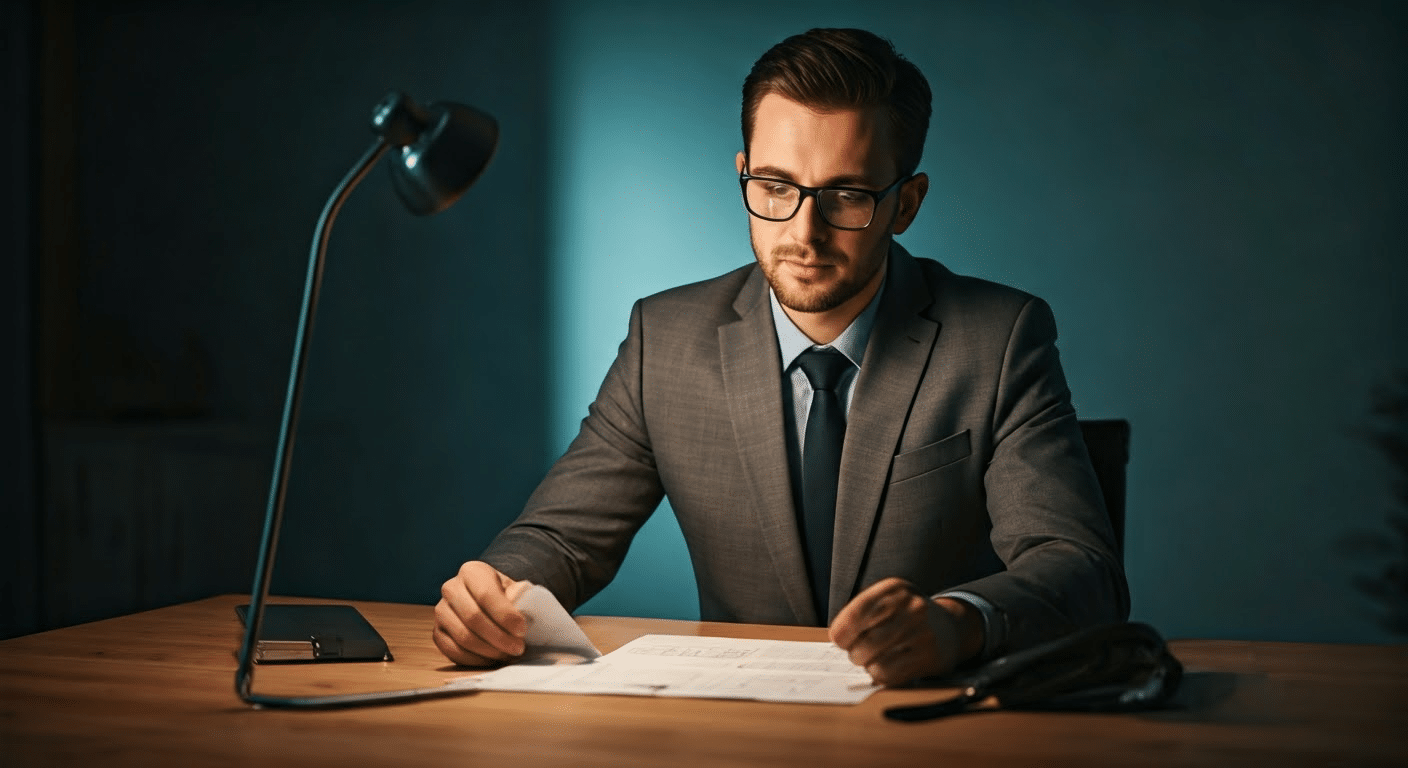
[
  {"x": 897, "y": 634},
  {"x": 476, "y": 623}
]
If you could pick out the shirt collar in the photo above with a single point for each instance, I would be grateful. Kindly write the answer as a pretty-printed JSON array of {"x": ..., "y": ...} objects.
[{"x": 851, "y": 343}]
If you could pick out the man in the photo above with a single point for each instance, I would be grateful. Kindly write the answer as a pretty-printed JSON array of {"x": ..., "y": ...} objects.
[{"x": 845, "y": 432}]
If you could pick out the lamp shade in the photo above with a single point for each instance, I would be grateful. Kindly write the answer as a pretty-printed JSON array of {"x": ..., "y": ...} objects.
[{"x": 438, "y": 150}]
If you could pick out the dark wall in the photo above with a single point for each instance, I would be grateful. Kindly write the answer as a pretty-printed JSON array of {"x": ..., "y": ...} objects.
[
  {"x": 207, "y": 139},
  {"x": 18, "y": 544}
]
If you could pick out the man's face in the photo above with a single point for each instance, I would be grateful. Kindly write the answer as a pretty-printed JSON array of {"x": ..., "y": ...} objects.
[{"x": 812, "y": 266}]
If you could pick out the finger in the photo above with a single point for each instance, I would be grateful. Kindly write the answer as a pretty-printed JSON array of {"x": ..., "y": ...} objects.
[
  {"x": 445, "y": 633},
  {"x": 871, "y": 607},
  {"x": 472, "y": 600},
  {"x": 901, "y": 664},
  {"x": 857, "y": 616},
  {"x": 884, "y": 638},
  {"x": 515, "y": 589},
  {"x": 905, "y": 626},
  {"x": 457, "y": 653},
  {"x": 465, "y": 640},
  {"x": 489, "y": 588},
  {"x": 928, "y": 645}
]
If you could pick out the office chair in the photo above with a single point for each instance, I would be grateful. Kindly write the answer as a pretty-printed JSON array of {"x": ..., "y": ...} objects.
[{"x": 1107, "y": 440}]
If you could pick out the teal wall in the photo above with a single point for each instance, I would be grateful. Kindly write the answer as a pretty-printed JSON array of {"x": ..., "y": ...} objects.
[{"x": 1211, "y": 197}]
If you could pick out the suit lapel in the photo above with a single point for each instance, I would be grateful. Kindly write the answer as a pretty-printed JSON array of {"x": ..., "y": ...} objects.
[
  {"x": 752, "y": 373},
  {"x": 895, "y": 360}
]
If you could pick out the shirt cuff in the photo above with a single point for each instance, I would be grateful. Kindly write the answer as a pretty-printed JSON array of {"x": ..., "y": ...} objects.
[{"x": 993, "y": 625}]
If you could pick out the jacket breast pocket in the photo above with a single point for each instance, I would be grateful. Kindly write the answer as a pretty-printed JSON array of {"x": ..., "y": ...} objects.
[{"x": 928, "y": 458}]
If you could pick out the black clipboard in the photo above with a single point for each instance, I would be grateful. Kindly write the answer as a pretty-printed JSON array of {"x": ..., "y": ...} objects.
[{"x": 311, "y": 633}]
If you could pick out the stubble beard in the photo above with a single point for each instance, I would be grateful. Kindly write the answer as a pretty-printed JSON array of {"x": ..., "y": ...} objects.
[{"x": 821, "y": 296}]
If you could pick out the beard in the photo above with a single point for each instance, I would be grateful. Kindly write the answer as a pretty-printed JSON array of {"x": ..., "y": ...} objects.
[{"x": 825, "y": 294}]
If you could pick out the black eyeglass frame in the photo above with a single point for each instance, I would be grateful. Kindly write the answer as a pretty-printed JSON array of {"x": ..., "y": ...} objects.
[{"x": 744, "y": 177}]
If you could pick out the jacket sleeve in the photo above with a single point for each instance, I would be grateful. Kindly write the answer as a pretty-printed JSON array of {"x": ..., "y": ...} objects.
[
  {"x": 1049, "y": 523},
  {"x": 575, "y": 529}
]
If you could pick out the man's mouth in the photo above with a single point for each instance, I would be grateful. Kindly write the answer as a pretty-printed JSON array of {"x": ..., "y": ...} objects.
[
  {"x": 808, "y": 270},
  {"x": 808, "y": 260}
]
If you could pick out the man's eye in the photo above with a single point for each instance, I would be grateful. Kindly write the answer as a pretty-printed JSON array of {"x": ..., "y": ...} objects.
[
  {"x": 850, "y": 198},
  {"x": 781, "y": 190}
]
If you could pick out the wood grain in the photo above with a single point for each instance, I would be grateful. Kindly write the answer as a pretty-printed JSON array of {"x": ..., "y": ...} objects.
[{"x": 157, "y": 688}]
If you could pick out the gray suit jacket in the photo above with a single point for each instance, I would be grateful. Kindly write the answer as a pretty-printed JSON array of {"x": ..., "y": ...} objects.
[{"x": 963, "y": 466}]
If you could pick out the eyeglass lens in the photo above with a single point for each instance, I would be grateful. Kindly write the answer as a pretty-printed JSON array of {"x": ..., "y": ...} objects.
[{"x": 779, "y": 201}]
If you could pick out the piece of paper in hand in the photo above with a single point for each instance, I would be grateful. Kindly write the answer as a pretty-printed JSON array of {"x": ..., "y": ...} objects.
[{"x": 552, "y": 637}]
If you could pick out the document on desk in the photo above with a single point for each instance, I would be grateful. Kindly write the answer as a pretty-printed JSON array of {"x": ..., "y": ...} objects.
[
  {"x": 698, "y": 667},
  {"x": 561, "y": 659}
]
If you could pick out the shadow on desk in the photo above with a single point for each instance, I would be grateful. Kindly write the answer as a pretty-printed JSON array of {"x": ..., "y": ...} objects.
[{"x": 1222, "y": 697}]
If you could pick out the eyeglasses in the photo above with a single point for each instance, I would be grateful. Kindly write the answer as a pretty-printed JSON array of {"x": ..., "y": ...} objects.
[{"x": 841, "y": 207}]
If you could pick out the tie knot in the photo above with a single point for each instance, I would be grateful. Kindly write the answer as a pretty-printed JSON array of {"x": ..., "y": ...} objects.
[{"x": 823, "y": 367}]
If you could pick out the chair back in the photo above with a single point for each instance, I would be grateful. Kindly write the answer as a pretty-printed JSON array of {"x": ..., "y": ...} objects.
[{"x": 1107, "y": 440}]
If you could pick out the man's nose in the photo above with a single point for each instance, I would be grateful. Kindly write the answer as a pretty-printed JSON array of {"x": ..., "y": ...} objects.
[{"x": 807, "y": 225}]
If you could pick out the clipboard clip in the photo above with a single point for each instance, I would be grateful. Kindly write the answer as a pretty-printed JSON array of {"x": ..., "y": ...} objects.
[{"x": 315, "y": 648}]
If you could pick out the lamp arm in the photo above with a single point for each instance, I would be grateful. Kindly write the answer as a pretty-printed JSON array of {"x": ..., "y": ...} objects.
[
  {"x": 273, "y": 517},
  {"x": 443, "y": 151}
]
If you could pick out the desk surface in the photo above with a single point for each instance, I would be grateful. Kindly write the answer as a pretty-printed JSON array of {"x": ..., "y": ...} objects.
[{"x": 157, "y": 688}]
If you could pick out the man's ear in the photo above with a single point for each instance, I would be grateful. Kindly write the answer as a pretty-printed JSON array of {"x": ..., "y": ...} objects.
[
  {"x": 739, "y": 161},
  {"x": 911, "y": 196}
]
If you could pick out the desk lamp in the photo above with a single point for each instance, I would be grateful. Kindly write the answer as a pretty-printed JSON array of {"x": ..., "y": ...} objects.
[{"x": 441, "y": 150}]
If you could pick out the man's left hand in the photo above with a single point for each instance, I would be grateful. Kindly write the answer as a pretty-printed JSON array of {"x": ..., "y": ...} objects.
[{"x": 898, "y": 634}]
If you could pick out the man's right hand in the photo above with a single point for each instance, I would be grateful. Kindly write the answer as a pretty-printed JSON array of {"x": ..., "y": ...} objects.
[{"x": 476, "y": 622}]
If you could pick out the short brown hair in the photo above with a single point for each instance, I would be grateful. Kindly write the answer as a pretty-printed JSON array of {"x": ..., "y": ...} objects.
[{"x": 845, "y": 69}]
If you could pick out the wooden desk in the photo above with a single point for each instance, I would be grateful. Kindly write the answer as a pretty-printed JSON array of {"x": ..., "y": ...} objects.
[{"x": 156, "y": 688}]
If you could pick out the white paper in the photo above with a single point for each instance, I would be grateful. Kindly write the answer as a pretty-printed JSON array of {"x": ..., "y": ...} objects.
[
  {"x": 699, "y": 667},
  {"x": 552, "y": 635}
]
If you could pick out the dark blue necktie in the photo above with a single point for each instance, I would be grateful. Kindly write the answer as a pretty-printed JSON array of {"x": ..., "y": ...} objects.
[{"x": 821, "y": 466}]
